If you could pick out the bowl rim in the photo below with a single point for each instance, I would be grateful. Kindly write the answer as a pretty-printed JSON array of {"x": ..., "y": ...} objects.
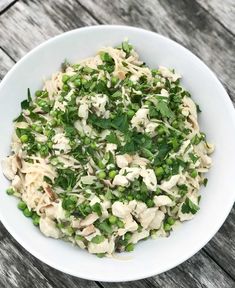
[{"x": 227, "y": 102}]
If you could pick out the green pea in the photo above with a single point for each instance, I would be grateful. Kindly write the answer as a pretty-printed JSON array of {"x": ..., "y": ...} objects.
[
  {"x": 65, "y": 87},
  {"x": 22, "y": 205},
  {"x": 167, "y": 227},
  {"x": 27, "y": 212},
  {"x": 129, "y": 247},
  {"x": 49, "y": 144},
  {"x": 101, "y": 175},
  {"x": 175, "y": 124},
  {"x": 170, "y": 221},
  {"x": 193, "y": 174},
  {"x": 93, "y": 145},
  {"x": 161, "y": 130},
  {"x": 130, "y": 113},
  {"x": 65, "y": 78},
  {"x": 77, "y": 83},
  {"x": 24, "y": 138},
  {"x": 87, "y": 141},
  {"x": 120, "y": 224},
  {"x": 10, "y": 191},
  {"x": 114, "y": 80},
  {"x": 38, "y": 93},
  {"x": 36, "y": 220},
  {"x": 169, "y": 161},
  {"x": 150, "y": 203},
  {"x": 159, "y": 171},
  {"x": 112, "y": 174},
  {"x": 112, "y": 219},
  {"x": 84, "y": 81},
  {"x": 121, "y": 189},
  {"x": 38, "y": 129},
  {"x": 128, "y": 236}
]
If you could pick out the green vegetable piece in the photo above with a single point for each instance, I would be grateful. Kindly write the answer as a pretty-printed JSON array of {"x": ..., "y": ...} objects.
[
  {"x": 87, "y": 141},
  {"x": 24, "y": 138},
  {"x": 98, "y": 239},
  {"x": 36, "y": 219},
  {"x": 100, "y": 255},
  {"x": 193, "y": 174},
  {"x": 65, "y": 78},
  {"x": 97, "y": 208},
  {"x": 101, "y": 175},
  {"x": 169, "y": 161},
  {"x": 189, "y": 207},
  {"x": 22, "y": 205},
  {"x": 150, "y": 203},
  {"x": 10, "y": 191},
  {"x": 126, "y": 47},
  {"x": 101, "y": 164},
  {"x": 79, "y": 238},
  {"x": 105, "y": 228},
  {"x": 159, "y": 171},
  {"x": 120, "y": 224},
  {"x": 114, "y": 80},
  {"x": 129, "y": 247},
  {"x": 205, "y": 182},
  {"x": 167, "y": 227},
  {"x": 112, "y": 219},
  {"x": 127, "y": 236},
  {"x": 112, "y": 174},
  {"x": 130, "y": 113},
  {"x": 163, "y": 108},
  {"x": 27, "y": 212},
  {"x": 70, "y": 230},
  {"x": 170, "y": 220}
]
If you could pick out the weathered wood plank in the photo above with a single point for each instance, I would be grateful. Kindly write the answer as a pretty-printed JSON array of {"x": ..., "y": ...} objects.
[
  {"x": 5, "y": 3},
  {"x": 198, "y": 271},
  {"x": 6, "y": 63},
  {"x": 184, "y": 21},
  {"x": 16, "y": 270},
  {"x": 221, "y": 248},
  {"x": 27, "y": 24},
  {"x": 20, "y": 269},
  {"x": 224, "y": 11}
]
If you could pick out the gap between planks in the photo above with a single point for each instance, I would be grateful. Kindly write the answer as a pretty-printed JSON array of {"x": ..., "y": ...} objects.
[
  {"x": 216, "y": 19},
  {"x": 5, "y": 5}
]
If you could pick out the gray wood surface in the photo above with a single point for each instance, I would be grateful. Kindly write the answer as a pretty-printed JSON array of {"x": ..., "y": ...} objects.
[{"x": 207, "y": 28}]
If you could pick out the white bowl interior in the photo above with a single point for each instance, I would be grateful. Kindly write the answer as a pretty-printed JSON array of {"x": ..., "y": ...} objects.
[{"x": 217, "y": 120}]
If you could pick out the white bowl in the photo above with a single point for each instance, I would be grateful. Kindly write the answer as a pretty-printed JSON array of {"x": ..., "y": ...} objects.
[{"x": 217, "y": 120}]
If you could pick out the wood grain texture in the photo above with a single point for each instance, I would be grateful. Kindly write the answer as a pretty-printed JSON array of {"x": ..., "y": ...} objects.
[
  {"x": 20, "y": 269},
  {"x": 193, "y": 273},
  {"x": 28, "y": 23},
  {"x": 6, "y": 63},
  {"x": 38, "y": 23},
  {"x": 222, "y": 247},
  {"x": 5, "y": 4},
  {"x": 223, "y": 11}
]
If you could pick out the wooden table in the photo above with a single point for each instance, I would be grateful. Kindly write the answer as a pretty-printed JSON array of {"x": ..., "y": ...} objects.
[{"x": 207, "y": 28}]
